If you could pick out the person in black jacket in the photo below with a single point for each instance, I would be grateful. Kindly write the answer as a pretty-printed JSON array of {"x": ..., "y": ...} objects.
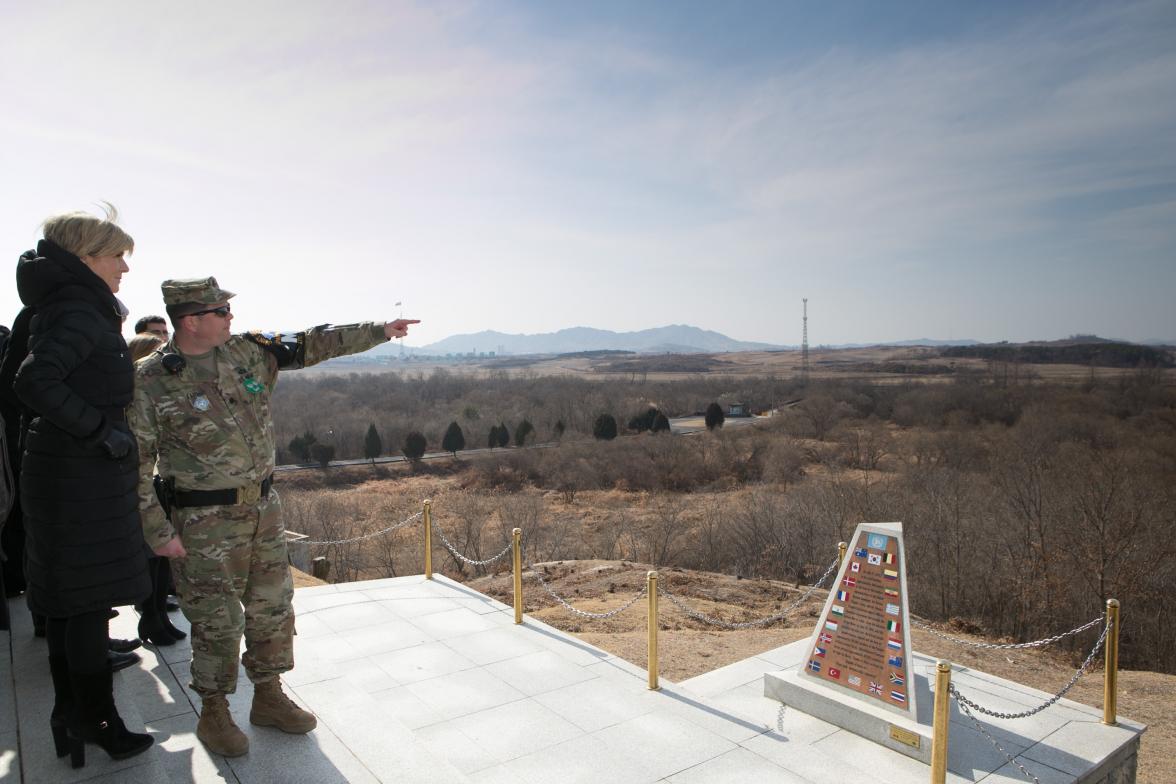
[{"x": 84, "y": 545}]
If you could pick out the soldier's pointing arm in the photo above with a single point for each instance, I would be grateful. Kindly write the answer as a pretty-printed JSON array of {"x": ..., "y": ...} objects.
[{"x": 318, "y": 344}]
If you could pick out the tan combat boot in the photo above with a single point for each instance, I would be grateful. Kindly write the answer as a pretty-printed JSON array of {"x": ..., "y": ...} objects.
[
  {"x": 272, "y": 708},
  {"x": 217, "y": 731}
]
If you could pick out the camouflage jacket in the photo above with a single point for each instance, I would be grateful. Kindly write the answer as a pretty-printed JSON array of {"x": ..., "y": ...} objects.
[{"x": 218, "y": 433}]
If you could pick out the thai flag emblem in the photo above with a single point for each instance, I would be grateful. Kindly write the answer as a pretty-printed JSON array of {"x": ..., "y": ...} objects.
[
  {"x": 898, "y": 697},
  {"x": 875, "y": 688},
  {"x": 815, "y": 665}
]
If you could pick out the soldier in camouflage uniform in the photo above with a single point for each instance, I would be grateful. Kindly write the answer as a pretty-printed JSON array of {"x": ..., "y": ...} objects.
[{"x": 202, "y": 408}]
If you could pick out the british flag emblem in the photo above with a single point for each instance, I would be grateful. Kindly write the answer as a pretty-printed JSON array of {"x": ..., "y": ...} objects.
[{"x": 876, "y": 688}]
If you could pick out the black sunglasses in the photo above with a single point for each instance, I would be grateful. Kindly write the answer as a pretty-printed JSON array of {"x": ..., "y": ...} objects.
[{"x": 223, "y": 311}]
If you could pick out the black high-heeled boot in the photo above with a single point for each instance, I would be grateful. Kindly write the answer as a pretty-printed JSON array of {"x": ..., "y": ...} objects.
[
  {"x": 152, "y": 630},
  {"x": 159, "y": 594},
  {"x": 95, "y": 719},
  {"x": 62, "y": 703}
]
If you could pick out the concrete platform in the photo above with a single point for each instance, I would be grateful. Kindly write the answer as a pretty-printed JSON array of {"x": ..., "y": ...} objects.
[{"x": 429, "y": 681}]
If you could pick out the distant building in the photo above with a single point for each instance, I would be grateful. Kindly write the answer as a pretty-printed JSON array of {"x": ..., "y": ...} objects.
[{"x": 738, "y": 410}]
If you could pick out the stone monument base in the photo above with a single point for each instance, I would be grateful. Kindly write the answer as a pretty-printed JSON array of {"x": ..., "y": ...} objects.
[
  {"x": 907, "y": 735},
  {"x": 1066, "y": 742}
]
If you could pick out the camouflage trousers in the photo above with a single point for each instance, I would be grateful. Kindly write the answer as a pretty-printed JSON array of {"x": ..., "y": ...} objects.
[{"x": 235, "y": 580}]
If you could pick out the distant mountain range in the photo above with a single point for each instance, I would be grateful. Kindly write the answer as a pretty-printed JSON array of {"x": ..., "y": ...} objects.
[{"x": 673, "y": 339}]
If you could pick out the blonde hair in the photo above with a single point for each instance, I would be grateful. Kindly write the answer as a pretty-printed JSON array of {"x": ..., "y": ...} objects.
[
  {"x": 83, "y": 234},
  {"x": 143, "y": 344}
]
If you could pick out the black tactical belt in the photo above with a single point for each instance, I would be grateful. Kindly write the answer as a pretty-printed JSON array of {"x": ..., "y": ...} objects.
[{"x": 250, "y": 494}]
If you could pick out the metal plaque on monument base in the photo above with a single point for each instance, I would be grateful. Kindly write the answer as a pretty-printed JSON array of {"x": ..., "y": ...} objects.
[{"x": 858, "y": 672}]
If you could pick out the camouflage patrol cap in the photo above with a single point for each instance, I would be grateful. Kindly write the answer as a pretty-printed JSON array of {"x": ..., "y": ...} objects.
[{"x": 186, "y": 296}]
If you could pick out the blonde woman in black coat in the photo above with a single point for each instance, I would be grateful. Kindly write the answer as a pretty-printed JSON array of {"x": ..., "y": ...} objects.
[{"x": 85, "y": 550}]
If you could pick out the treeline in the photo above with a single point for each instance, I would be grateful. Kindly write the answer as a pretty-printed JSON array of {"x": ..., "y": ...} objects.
[
  {"x": 338, "y": 410},
  {"x": 1113, "y": 355}
]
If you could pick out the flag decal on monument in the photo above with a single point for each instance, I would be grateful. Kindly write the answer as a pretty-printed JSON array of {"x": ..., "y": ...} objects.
[{"x": 859, "y": 647}]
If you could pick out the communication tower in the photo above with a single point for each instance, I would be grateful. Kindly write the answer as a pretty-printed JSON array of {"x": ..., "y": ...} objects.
[{"x": 804, "y": 357}]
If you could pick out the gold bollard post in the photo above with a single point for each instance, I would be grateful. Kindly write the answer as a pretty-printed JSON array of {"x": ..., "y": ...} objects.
[
  {"x": 517, "y": 545},
  {"x": 940, "y": 723},
  {"x": 651, "y": 588},
  {"x": 842, "y": 547},
  {"x": 428, "y": 540},
  {"x": 1111, "y": 670}
]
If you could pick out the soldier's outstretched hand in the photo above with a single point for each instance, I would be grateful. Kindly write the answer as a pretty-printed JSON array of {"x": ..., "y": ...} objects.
[{"x": 399, "y": 327}]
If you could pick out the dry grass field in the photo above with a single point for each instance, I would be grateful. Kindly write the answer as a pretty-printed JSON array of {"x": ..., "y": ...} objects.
[
  {"x": 878, "y": 364},
  {"x": 687, "y": 647},
  {"x": 1048, "y": 485}
]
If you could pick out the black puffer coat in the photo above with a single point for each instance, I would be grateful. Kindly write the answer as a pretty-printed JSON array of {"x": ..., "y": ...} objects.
[{"x": 85, "y": 549}]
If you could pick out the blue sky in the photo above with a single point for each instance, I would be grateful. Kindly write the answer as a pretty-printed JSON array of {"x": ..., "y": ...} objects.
[{"x": 996, "y": 171}]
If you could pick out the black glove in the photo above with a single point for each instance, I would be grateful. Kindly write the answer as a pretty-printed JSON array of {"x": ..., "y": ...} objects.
[{"x": 117, "y": 444}]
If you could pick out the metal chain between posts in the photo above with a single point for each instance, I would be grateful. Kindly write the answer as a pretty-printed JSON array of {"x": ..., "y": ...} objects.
[
  {"x": 1025, "y": 714},
  {"x": 980, "y": 728},
  {"x": 381, "y": 532},
  {"x": 449, "y": 546},
  {"x": 681, "y": 605},
  {"x": 1008, "y": 646},
  {"x": 584, "y": 613}
]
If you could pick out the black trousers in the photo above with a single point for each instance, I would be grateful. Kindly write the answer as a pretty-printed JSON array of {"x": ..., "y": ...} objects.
[{"x": 81, "y": 639}]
